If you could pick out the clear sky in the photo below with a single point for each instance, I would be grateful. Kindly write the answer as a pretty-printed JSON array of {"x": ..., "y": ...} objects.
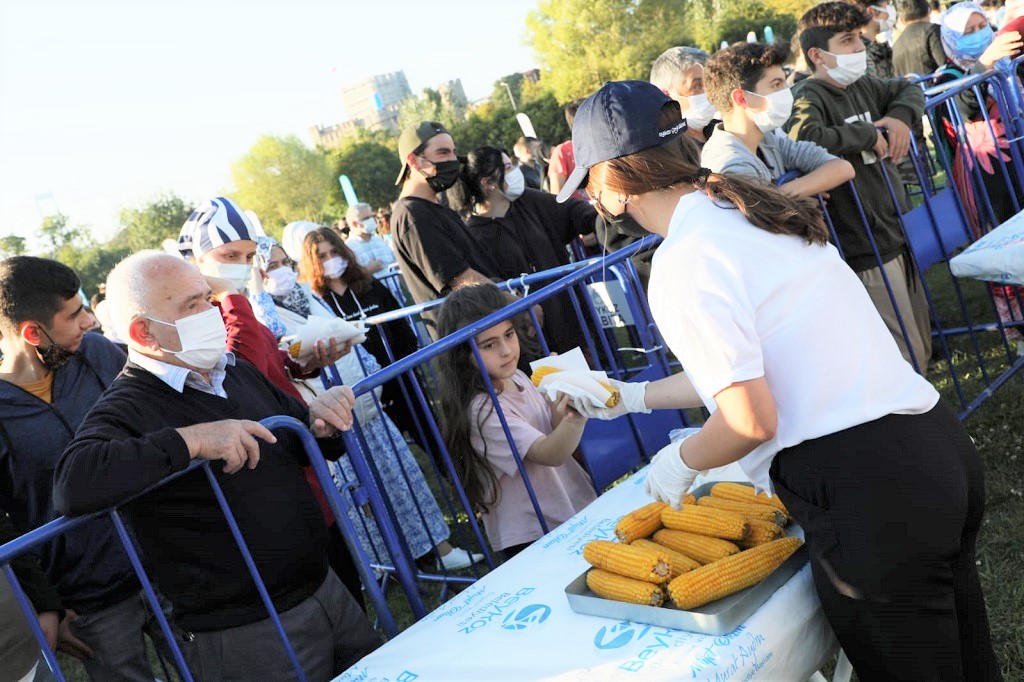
[{"x": 104, "y": 104}]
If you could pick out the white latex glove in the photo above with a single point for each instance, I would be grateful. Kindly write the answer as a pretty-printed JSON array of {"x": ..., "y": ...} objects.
[
  {"x": 668, "y": 477},
  {"x": 631, "y": 399}
]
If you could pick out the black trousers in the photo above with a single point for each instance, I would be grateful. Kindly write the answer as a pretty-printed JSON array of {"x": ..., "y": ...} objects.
[{"x": 891, "y": 511}]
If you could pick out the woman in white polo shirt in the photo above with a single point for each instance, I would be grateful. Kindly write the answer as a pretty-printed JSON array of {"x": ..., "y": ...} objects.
[{"x": 807, "y": 391}]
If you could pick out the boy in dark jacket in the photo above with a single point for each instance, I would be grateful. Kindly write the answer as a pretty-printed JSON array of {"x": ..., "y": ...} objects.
[
  {"x": 866, "y": 121},
  {"x": 53, "y": 372}
]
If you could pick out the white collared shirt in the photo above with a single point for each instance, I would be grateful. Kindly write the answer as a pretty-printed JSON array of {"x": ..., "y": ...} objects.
[
  {"x": 735, "y": 303},
  {"x": 178, "y": 377}
]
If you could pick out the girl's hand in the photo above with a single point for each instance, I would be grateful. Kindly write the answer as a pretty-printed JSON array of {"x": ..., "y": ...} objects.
[{"x": 562, "y": 410}]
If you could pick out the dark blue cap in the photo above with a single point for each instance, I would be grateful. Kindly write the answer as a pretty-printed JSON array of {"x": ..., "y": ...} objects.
[{"x": 618, "y": 120}]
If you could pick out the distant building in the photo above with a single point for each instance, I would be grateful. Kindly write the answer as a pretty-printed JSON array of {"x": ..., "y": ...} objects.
[{"x": 374, "y": 101}]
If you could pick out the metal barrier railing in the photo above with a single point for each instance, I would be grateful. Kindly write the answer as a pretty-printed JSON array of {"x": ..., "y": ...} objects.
[{"x": 53, "y": 529}]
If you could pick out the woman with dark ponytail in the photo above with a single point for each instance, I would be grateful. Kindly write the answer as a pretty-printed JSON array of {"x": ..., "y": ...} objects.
[
  {"x": 807, "y": 391},
  {"x": 525, "y": 230}
]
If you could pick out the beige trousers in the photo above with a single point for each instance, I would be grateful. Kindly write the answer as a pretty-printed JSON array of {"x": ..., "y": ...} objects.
[{"x": 911, "y": 303}]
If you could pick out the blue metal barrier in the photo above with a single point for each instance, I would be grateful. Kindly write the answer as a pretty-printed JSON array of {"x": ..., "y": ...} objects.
[
  {"x": 60, "y": 526},
  {"x": 605, "y": 464}
]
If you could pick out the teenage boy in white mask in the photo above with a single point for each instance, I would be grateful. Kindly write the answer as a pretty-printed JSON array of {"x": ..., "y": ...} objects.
[
  {"x": 373, "y": 253},
  {"x": 748, "y": 86},
  {"x": 679, "y": 73},
  {"x": 866, "y": 121}
]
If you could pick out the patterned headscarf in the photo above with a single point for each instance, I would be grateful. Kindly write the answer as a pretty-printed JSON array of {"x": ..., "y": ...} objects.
[
  {"x": 953, "y": 23},
  {"x": 214, "y": 223},
  {"x": 295, "y": 300}
]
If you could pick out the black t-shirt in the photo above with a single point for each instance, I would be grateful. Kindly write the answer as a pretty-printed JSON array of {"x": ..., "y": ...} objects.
[
  {"x": 433, "y": 247},
  {"x": 533, "y": 235}
]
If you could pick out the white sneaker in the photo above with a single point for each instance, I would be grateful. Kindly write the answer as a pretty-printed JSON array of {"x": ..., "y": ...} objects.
[{"x": 458, "y": 559}]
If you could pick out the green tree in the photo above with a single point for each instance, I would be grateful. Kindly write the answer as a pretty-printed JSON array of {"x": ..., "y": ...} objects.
[
  {"x": 92, "y": 262},
  {"x": 57, "y": 233},
  {"x": 148, "y": 225},
  {"x": 583, "y": 43},
  {"x": 372, "y": 168},
  {"x": 731, "y": 20},
  {"x": 12, "y": 245},
  {"x": 431, "y": 105},
  {"x": 282, "y": 180}
]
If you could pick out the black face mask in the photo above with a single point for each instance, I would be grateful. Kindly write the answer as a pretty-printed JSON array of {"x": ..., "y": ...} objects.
[
  {"x": 624, "y": 224},
  {"x": 621, "y": 224},
  {"x": 53, "y": 356},
  {"x": 447, "y": 174}
]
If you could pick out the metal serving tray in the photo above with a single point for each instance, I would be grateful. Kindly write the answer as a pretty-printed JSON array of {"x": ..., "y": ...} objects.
[{"x": 717, "y": 618}]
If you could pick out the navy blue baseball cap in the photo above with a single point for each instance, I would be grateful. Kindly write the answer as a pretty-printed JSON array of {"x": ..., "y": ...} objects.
[{"x": 618, "y": 120}]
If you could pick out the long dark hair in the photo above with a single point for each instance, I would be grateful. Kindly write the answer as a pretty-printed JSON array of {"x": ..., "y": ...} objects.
[
  {"x": 482, "y": 162},
  {"x": 677, "y": 162},
  {"x": 460, "y": 381},
  {"x": 311, "y": 270}
]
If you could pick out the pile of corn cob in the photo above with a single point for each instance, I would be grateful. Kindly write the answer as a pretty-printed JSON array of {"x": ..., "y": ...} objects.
[{"x": 708, "y": 549}]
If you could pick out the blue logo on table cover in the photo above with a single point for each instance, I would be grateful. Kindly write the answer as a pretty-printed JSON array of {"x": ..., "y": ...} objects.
[
  {"x": 526, "y": 616},
  {"x": 619, "y": 635}
]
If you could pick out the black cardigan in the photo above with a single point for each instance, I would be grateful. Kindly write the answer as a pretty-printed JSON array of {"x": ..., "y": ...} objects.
[{"x": 128, "y": 442}]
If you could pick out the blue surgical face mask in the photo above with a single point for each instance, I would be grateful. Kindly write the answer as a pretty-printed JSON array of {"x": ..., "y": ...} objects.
[{"x": 975, "y": 44}]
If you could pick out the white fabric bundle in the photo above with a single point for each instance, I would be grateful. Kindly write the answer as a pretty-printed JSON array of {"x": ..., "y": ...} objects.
[
  {"x": 573, "y": 378},
  {"x": 300, "y": 345}
]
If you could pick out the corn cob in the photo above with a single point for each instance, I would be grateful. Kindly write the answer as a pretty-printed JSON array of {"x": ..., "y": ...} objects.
[
  {"x": 640, "y": 523},
  {"x": 626, "y": 560},
  {"x": 706, "y": 521},
  {"x": 620, "y": 588},
  {"x": 679, "y": 562},
  {"x": 747, "y": 509},
  {"x": 689, "y": 499},
  {"x": 698, "y": 547},
  {"x": 760, "y": 533},
  {"x": 731, "y": 574},
  {"x": 745, "y": 493},
  {"x": 541, "y": 372}
]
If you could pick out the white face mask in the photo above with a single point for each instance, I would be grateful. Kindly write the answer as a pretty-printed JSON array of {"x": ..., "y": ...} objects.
[
  {"x": 236, "y": 273},
  {"x": 368, "y": 225},
  {"x": 849, "y": 67},
  {"x": 780, "y": 106},
  {"x": 889, "y": 22},
  {"x": 699, "y": 112},
  {"x": 516, "y": 184},
  {"x": 203, "y": 336},
  {"x": 280, "y": 281},
  {"x": 335, "y": 267}
]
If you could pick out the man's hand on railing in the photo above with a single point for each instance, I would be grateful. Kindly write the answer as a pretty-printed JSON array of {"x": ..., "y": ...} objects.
[
  {"x": 231, "y": 440},
  {"x": 331, "y": 411},
  {"x": 898, "y": 134}
]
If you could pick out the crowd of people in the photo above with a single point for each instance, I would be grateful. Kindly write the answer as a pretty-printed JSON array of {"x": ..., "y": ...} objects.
[{"x": 724, "y": 156}]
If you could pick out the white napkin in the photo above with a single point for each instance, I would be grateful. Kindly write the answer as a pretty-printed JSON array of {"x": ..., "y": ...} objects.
[
  {"x": 574, "y": 379},
  {"x": 300, "y": 345}
]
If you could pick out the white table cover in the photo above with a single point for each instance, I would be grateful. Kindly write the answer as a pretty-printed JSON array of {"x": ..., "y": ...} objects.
[{"x": 516, "y": 624}]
